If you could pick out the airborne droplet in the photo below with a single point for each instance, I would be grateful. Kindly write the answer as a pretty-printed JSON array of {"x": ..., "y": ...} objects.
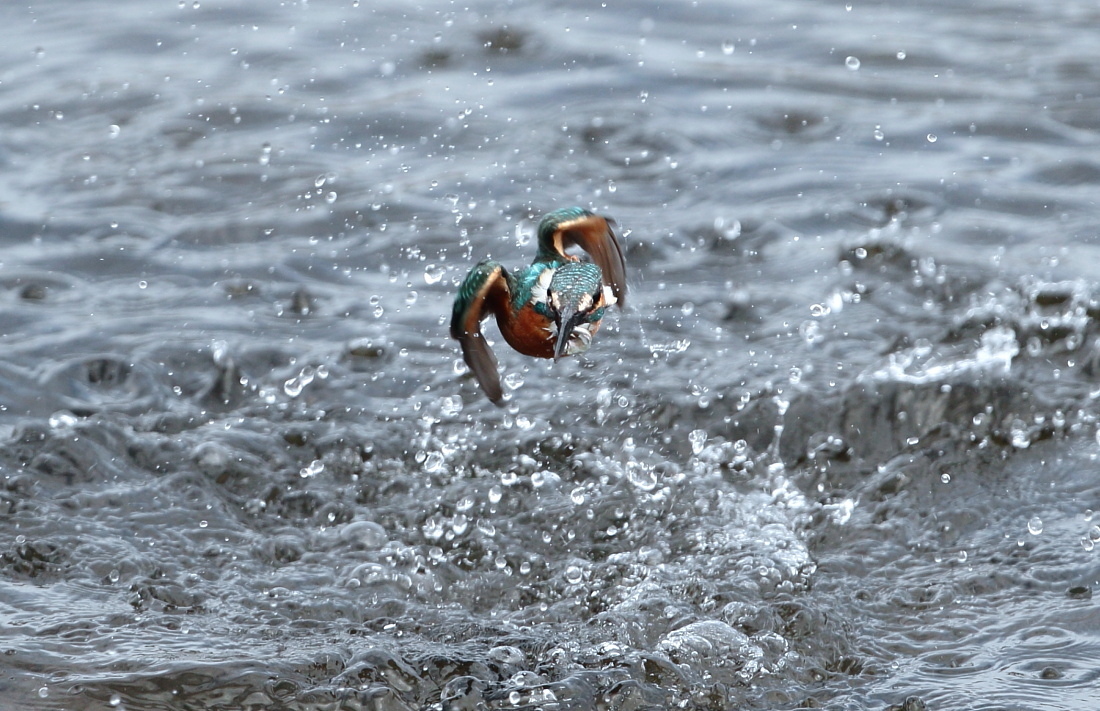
[
  {"x": 698, "y": 439},
  {"x": 312, "y": 469},
  {"x": 433, "y": 273},
  {"x": 433, "y": 462}
]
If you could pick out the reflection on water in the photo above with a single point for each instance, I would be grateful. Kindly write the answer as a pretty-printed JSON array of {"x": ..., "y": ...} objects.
[{"x": 837, "y": 454}]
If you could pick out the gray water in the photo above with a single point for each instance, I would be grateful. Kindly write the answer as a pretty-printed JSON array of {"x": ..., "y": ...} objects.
[{"x": 840, "y": 452}]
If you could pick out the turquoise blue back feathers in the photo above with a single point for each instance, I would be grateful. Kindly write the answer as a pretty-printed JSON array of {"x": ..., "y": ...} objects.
[{"x": 549, "y": 309}]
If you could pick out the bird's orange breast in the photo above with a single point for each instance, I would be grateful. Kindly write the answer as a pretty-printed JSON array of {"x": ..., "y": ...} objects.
[
  {"x": 533, "y": 334},
  {"x": 529, "y": 332}
]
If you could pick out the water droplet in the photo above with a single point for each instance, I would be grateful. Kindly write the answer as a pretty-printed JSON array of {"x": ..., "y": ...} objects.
[
  {"x": 330, "y": 197},
  {"x": 852, "y": 63},
  {"x": 945, "y": 478},
  {"x": 698, "y": 439},
  {"x": 901, "y": 54},
  {"x": 312, "y": 469},
  {"x": 433, "y": 462},
  {"x": 573, "y": 574},
  {"x": 294, "y": 386},
  {"x": 62, "y": 418},
  {"x": 433, "y": 529},
  {"x": 450, "y": 405},
  {"x": 113, "y": 130},
  {"x": 114, "y": 575},
  {"x": 932, "y": 138},
  {"x": 878, "y": 134},
  {"x": 577, "y": 495},
  {"x": 642, "y": 475},
  {"x": 727, "y": 48},
  {"x": 1035, "y": 525},
  {"x": 513, "y": 381},
  {"x": 115, "y": 700},
  {"x": 44, "y": 692},
  {"x": 495, "y": 494},
  {"x": 433, "y": 273}
]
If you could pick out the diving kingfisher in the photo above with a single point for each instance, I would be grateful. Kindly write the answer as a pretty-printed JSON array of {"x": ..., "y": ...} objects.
[{"x": 550, "y": 309}]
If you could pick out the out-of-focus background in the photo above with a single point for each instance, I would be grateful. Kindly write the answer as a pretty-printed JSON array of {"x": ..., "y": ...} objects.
[{"x": 840, "y": 452}]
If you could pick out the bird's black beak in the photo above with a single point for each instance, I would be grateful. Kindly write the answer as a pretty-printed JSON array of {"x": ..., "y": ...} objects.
[{"x": 567, "y": 320}]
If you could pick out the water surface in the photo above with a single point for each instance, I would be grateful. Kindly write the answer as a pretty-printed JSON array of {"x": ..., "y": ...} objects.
[{"x": 839, "y": 453}]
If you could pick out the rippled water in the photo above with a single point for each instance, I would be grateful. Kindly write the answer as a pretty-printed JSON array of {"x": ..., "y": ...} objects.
[{"x": 840, "y": 452}]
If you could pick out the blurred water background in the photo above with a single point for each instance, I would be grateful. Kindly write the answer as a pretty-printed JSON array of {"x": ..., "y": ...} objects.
[{"x": 841, "y": 452}]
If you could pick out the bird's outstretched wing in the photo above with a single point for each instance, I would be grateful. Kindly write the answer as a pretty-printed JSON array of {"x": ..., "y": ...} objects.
[
  {"x": 597, "y": 235},
  {"x": 484, "y": 291}
]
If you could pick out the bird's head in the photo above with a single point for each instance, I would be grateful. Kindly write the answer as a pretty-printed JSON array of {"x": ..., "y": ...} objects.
[{"x": 576, "y": 291}]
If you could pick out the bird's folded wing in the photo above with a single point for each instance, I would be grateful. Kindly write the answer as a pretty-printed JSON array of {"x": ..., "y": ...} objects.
[
  {"x": 599, "y": 237},
  {"x": 481, "y": 293}
]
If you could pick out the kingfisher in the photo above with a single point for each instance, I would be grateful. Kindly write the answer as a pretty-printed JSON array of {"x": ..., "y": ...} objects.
[{"x": 549, "y": 309}]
